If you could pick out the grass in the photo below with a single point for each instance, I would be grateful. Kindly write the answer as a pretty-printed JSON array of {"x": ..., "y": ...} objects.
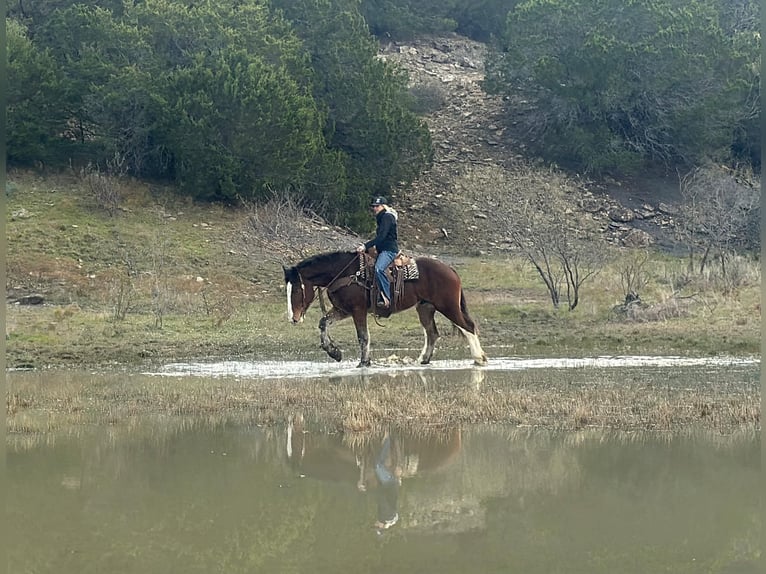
[
  {"x": 167, "y": 279},
  {"x": 628, "y": 399}
]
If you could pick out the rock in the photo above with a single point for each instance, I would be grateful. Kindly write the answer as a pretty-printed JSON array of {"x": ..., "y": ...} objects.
[
  {"x": 632, "y": 302},
  {"x": 668, "y": 209},
  {"x": 637, "y": 238},
  {"x": 621, "y": 214},
  {"x": 20, "y": 214},
  {"x": 592, "y": 205},
  {"x": 30, "y": 300}
]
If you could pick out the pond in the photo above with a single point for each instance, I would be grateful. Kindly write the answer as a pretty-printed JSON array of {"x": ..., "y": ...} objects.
[{"x": 221, "y": 493}]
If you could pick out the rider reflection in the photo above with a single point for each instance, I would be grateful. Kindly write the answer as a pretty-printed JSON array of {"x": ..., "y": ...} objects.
[
  {"x": 388, "y": 472},
  {"x": 376, "y": 463}
]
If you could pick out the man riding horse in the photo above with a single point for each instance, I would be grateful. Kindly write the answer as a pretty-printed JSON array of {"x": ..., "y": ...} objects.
[
  {"x": 427, "y": 284},
  {"x": 386, "y": 244}
]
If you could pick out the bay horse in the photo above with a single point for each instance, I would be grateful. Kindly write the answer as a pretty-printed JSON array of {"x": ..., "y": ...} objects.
[{"x": 341, "y": 273}]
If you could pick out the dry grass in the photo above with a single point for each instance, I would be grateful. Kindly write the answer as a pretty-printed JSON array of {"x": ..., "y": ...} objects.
[
  {"x": 568, "y": 400},
  {"x": 166, "y": 279}
]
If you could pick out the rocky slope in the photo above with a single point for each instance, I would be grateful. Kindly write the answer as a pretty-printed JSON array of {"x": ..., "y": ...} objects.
[{"x": 453, "y": 207}]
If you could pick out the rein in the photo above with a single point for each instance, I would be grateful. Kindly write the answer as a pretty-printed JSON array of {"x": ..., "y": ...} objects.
[
  {"x": 318, "y": 289},
  {"x": 334, "y": 279}
]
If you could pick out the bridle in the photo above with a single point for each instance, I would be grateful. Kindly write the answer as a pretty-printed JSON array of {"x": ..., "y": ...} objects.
[
  {"x": 304, "y": 307},
  {"x": 318, "y": 289}
]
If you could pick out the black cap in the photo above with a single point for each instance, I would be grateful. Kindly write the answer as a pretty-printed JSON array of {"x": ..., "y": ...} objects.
[{"x": 380, "y": 200}]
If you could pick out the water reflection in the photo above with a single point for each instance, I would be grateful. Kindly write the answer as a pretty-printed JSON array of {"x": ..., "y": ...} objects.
[
  {"x": 125, "y": 492},
  {"x": 210, "y": 495},
  {"x": 377, "y": 464},
  {"x": 388, "y": 479}
]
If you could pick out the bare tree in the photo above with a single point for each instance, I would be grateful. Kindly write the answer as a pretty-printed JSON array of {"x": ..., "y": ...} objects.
[
  {"x": 537, "y": 212},
  {"x": 633, "y": 276},
  {"x": 720, "y": 208},
  {"x": 554, "y": 239},
  {"x": 531, "y": 236},
  {"x": 104, "y": 185}
]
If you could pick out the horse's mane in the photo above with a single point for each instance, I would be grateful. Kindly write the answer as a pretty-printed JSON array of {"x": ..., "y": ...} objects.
[{"x": 324, "y": 258}]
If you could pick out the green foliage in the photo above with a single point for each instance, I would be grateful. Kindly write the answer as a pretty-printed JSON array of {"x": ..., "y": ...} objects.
[
  {"x": 609, "y": 83},
  {"x": 96, "y": 57},
  {"x": 381, "y": 142},
  {"x": 239, "y": 127},
  {"x": 229, "y": 101},
  {"x": 237, "y": 116},
  {"x": 404, "y": 19},
  {"x": 483, "y": 19},
  {"x": 32, "y": 86}
]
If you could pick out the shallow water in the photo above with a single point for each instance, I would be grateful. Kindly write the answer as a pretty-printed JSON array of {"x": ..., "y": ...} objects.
[
  {"x": 214, "y": 494},
  {"x": 477, "y": 500},
  {"x": 310, "y": 369}
]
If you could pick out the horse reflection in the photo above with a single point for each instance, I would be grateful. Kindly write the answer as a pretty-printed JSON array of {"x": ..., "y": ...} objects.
[
  {"x": 353, "y": 459},
  {"x": 377, "y": 464}
]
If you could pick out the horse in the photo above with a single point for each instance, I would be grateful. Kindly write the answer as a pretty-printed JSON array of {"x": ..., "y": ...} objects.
[{"x": 348, "y": 286}]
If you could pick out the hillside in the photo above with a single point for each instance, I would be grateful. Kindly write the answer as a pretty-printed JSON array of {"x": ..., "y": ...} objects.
[
  {"x": 450, "y": 209},
  {"x": 163, "y": 277}
]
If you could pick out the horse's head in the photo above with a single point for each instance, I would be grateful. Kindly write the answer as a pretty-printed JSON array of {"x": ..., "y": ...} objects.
[{"x": 300, "y": 294}]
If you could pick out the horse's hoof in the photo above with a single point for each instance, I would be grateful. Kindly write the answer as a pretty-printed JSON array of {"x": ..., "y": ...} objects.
[
  {"x": 481, "y": 362},
  {"x": 363, "y": 364},
  {"x": 334, "y": 352}
]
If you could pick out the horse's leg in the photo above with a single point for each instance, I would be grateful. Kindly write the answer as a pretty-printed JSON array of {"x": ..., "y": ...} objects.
[
  {"x": 426, "y": 313},
  {"x": 478, "y": 354},
  {"x": 457, "y": 312},
  {"x": 363, "y": 336},
  {"x": 327, "y": 343}
]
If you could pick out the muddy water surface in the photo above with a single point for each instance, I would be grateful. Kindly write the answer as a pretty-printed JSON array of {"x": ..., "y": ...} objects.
[{"x": 207, "y": 494}]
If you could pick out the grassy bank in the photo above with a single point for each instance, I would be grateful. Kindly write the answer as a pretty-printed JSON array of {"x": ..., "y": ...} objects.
[
  {"x": 166, "y": 279},
  {"x": 161, "y": 279},
  {"x": 720, "y": 399}
]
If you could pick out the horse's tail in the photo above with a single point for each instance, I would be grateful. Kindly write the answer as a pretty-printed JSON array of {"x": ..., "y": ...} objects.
[{"x": 464, "y": 310}]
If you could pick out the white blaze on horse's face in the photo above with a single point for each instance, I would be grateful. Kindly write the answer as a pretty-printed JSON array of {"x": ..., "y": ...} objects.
[{"x": 290, "y": 313}]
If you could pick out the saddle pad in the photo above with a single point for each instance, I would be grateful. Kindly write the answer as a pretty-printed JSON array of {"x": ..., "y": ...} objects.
[{"x": 410, "y": 271}]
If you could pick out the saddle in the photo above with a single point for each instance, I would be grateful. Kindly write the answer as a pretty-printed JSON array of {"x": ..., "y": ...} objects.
[{"x": 403, "y": 268}]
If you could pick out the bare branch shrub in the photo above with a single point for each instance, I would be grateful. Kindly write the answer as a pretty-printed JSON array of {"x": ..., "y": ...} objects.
[
  {"x": 284, "y": 225},
  {"x": 740, "y": 272},
  {"x": 633, "y": 274},
  {"x": 672, "y": 308},
  {"x": 162, "y": 294},
  {"x": 275, "y": 220},
  {"x": 428, "y": 96},
  {"x": 218, "y": 307},
  {"x": 123, "y": 293},
  {"x": 719, "y": 211},
  {"x": 105, "y": 185},
  {"x": 537, "y": 214}
]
